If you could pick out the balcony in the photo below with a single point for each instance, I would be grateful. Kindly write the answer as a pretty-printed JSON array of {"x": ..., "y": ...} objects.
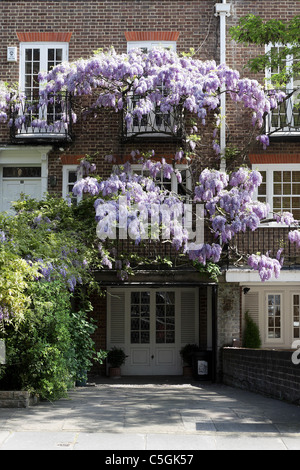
[
  {"x": 154, "y": 125},
  {"x": 285, "y": 120},
  {"x": 265, "y": 240},
  {"x": 40, "y": 123}
]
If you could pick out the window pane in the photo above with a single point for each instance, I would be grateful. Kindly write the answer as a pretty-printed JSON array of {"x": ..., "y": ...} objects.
[
  {"x": 277, "y": 176},
  {"x": 277, "y": 189},
  {"x": 72, "y": 176},
  {"x": 296, "y": 202},
  {"x": 262, "y": 190},
  {"x": 296, "y": 176},
  {"x": 28, "y": 68},
  {"x": 286, "y": 203},
  {"x": 21, "y": 172},
  {"x": 51, "y": 55},
  {"x": 28, "y": 54},
  {"x": 135, "y": 297},
  {"x": 58, "y": 57},
  {"x": 36, "y": 54},
  {"x": 277, "y": 202}
]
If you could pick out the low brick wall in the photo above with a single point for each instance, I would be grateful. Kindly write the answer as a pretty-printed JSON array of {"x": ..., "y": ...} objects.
[
  {"x": 21, "y": 399},
  {"x": 269, "y": 372}
]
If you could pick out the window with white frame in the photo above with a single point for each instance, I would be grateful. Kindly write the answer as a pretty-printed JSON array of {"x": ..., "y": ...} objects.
[
  {"x": 70, "y": 176},
  {"x": 277, "y": 313},
  {"x": 286, "y": 118},
  {"x": 146, "y": 46},
  {"x": 280, "y": 188},
  {"x": 274, "y": 315},
  {"x": 155, "y": 121},
  {"x": 36, "y": 58}
]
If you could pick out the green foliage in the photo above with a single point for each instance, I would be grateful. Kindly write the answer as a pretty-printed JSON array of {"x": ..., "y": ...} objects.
[
  {"x": 51, "y": 346},
  {"x": 251, "y": 337},
  {"x": 253, "y": 30},
  {"x": 210, "y": 268},
  {"x": 46, "y": 256},
  {"x": 116, "y": 357}
]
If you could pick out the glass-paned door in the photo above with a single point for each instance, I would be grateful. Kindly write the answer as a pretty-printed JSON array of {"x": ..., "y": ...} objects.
[
  {"x": 152, "y": 325},
  {"x": 153, "y": 333},
  {"x": 36, "y": 58}
]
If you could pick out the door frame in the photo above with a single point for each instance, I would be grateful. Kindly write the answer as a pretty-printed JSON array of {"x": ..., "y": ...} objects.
[{"x": 159, "y": 348}]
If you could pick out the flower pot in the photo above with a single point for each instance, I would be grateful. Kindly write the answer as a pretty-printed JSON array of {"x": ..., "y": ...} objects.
[
  {"x": 115, "y": 372},
  {"x": 82, "y": 379}
]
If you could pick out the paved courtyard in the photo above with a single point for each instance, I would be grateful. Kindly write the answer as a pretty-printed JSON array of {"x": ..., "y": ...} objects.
[{"x": 138, "y": 414}]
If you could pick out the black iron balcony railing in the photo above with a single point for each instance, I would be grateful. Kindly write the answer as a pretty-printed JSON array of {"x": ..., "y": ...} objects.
[
  {"x": 265, "y": 240},
  {"x": 154, "y": 124},
  {"x": 33, "y": 121},
  {"x": 151, "y": 255},
  {"x": 285, "y": 120}
]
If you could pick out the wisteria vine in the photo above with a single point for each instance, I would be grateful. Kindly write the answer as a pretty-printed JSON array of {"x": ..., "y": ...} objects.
[{"x": 228, "y": 203}]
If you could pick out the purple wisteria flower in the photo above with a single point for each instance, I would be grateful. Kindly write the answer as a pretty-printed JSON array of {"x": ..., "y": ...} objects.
[{"x": 265, "y": 266}]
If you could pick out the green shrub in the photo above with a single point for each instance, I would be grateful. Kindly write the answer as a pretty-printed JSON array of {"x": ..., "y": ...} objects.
[
  {"x": 49, "y": 349},
  {"x": 251, "y": 337}
]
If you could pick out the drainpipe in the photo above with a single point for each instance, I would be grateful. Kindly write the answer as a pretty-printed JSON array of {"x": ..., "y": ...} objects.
[{"x": 223, "y": 11}]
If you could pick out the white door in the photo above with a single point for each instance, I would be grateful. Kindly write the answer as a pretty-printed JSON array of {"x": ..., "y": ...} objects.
[
  {"x": 13, "y": 188},
  {"x": 152, "y": 325}
]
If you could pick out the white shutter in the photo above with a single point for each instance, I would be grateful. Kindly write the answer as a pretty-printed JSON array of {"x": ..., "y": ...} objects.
[
  {"x": 188, "y": 325},
  {"x": 251, "y": 306},
  {"x": 117, "y": 317}
]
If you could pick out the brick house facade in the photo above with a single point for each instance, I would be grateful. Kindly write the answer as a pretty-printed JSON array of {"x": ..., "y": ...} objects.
[{"x": 74, "y": 29}]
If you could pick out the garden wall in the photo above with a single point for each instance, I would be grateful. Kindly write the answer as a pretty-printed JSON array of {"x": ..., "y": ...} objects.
[
  {"x": 269, "y": 372},
  {"x": 17, "y": 399}
]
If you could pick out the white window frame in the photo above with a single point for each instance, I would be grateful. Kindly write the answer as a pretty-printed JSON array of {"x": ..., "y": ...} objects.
[
  {"x": 43, "y": 46},
  {"x": 269, "y": 169},
  {"x": 289, "y": 86},
  {"x": 282, "y": 306},
  {"x": 151, "y": 45},
  {"x": 65, "y": 180}
]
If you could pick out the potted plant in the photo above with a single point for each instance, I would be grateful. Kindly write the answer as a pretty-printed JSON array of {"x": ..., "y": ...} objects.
[
  {"x": 116, "y": 357},
  {"x": 186, "y": 354}
]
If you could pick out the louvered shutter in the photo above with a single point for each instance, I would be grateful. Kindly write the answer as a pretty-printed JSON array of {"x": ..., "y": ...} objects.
[
  {"x": 251, "y": 306},
  {"x": 188, "y": 326},
  {"x": 117, "y": 318}
]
